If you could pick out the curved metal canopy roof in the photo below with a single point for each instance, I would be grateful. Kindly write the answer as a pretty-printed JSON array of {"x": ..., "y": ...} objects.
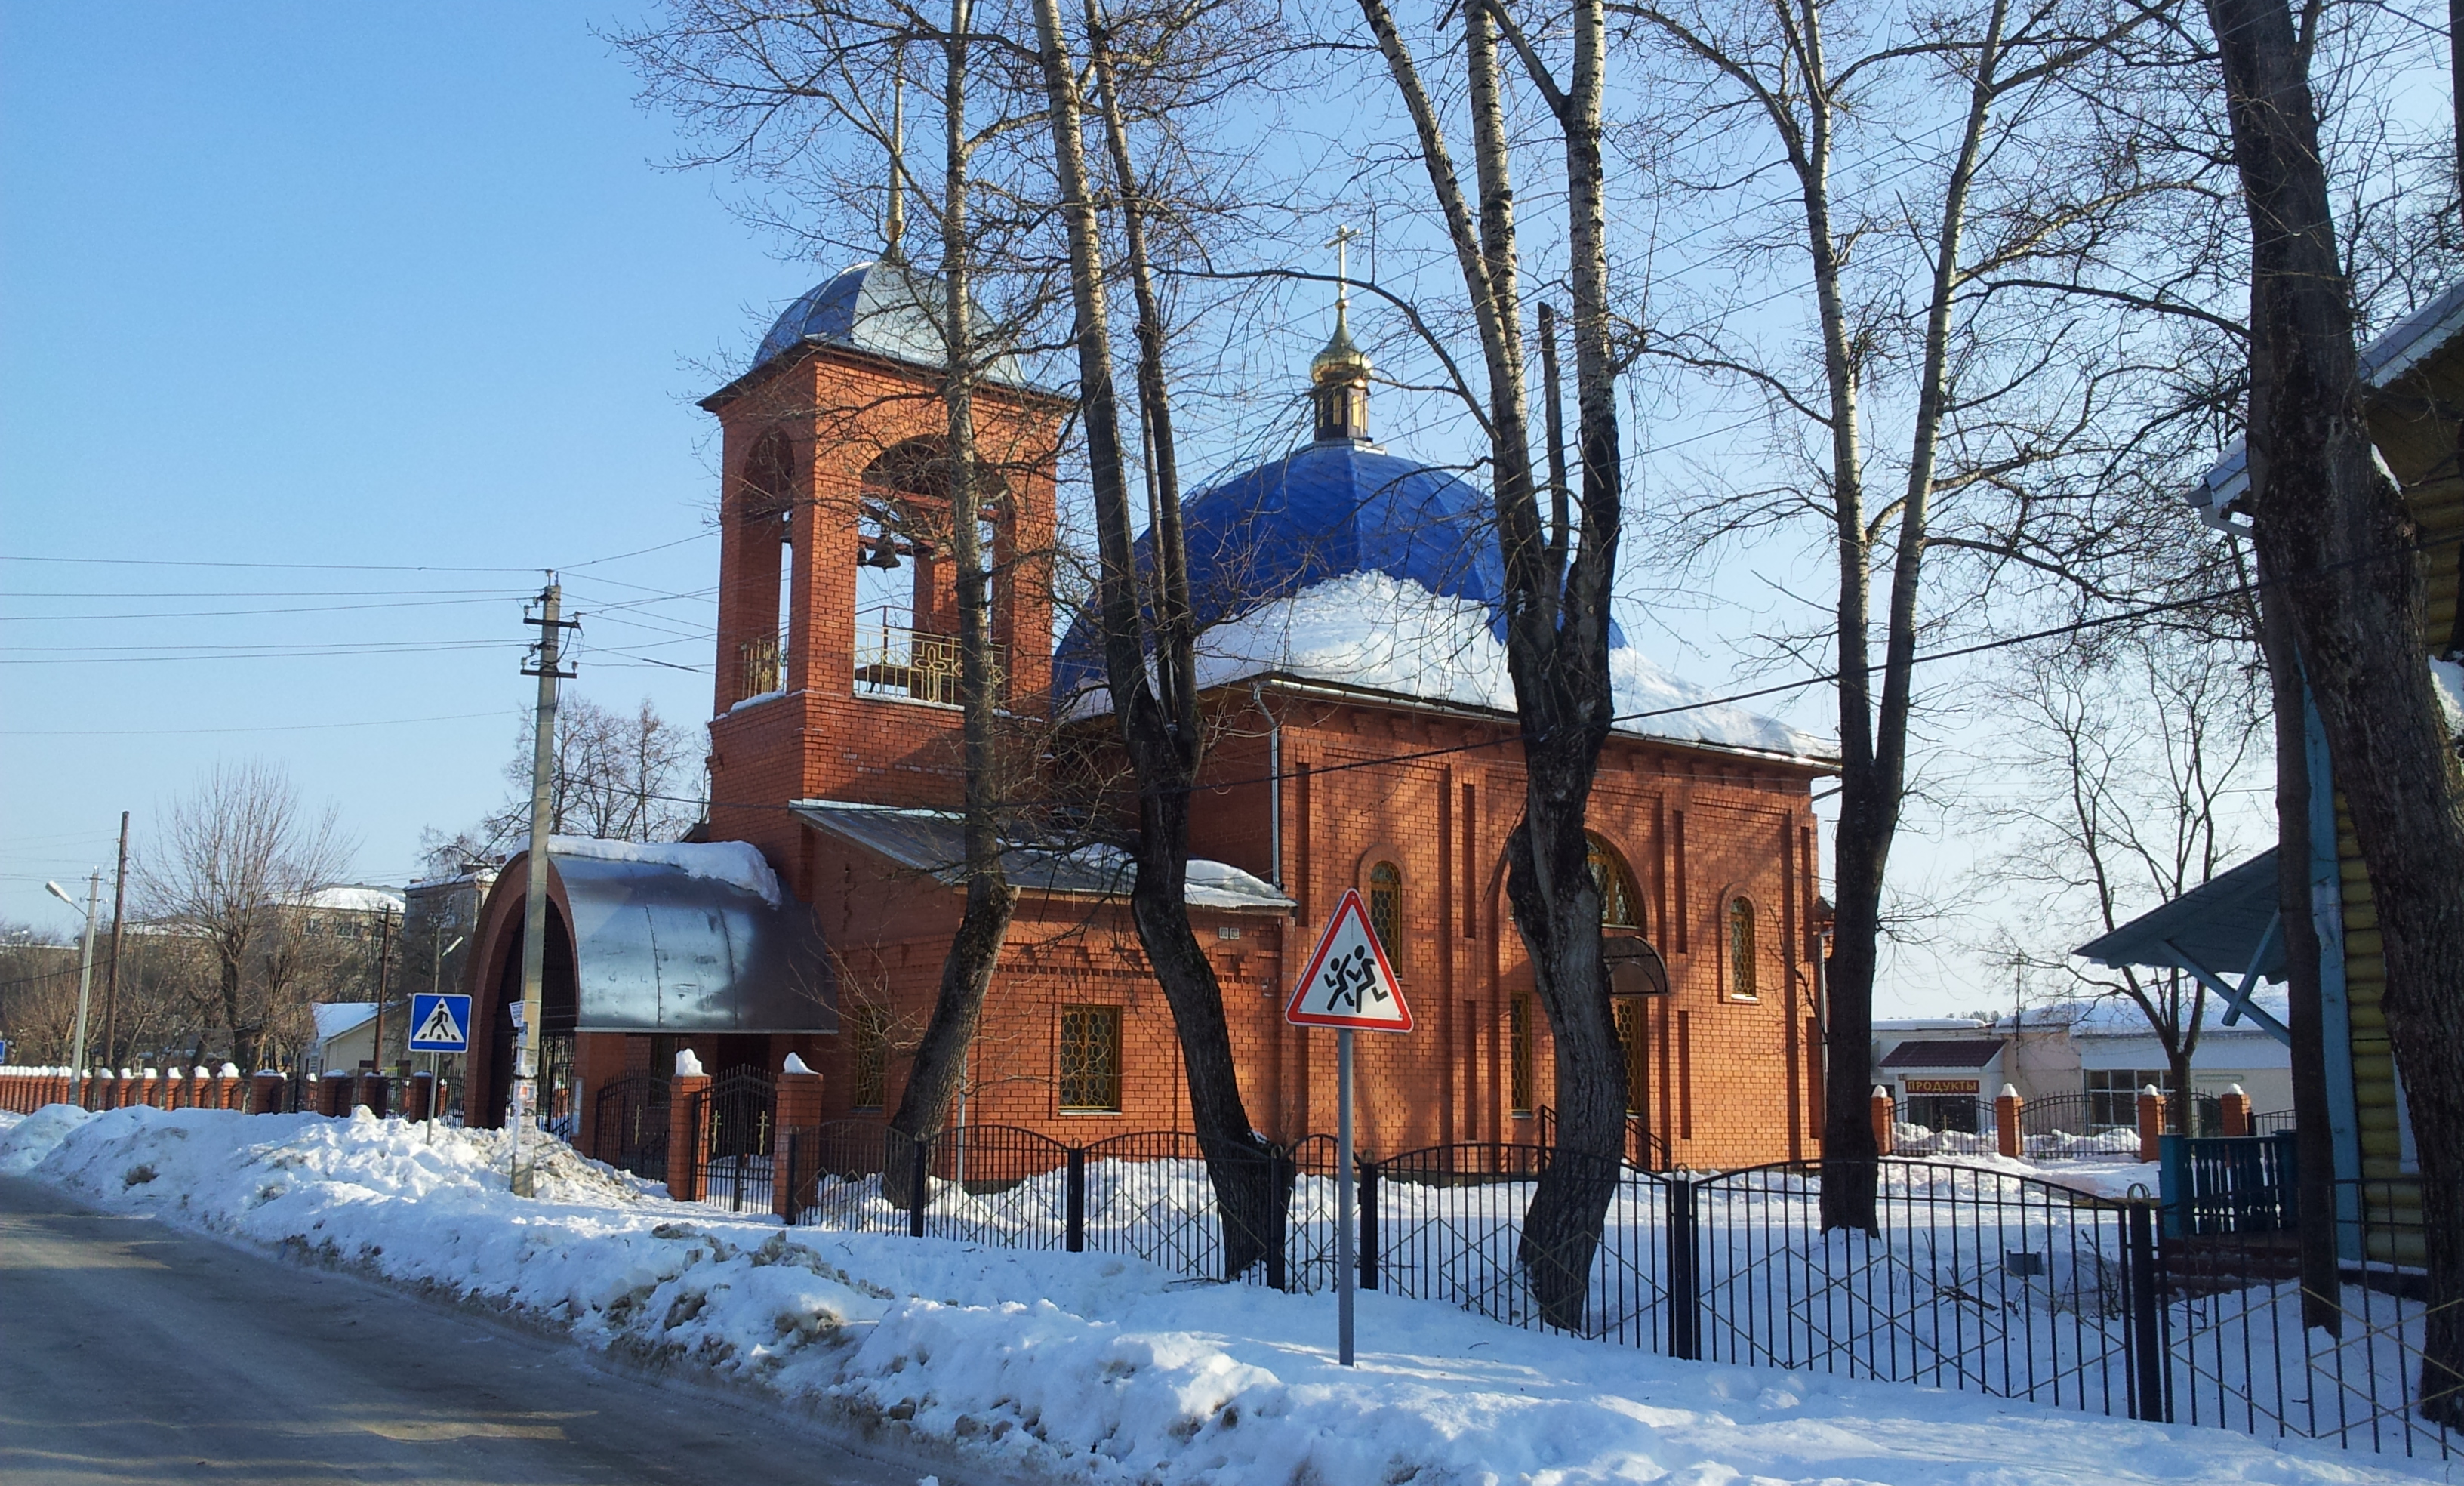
[{"x": 660, "y": 949}]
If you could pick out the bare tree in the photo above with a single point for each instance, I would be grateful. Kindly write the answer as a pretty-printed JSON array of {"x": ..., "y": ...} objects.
[
  {"x": 1149, "y": 664},
  {"x": 1558, "y": 582},
  {"x": 2332, "y": 530},
  {"x": 1931, "y": 283},
  {"x": 618, "y": 777},
  {"x": 2134, "y": 766},
  {"x": 236, "y": 867}
]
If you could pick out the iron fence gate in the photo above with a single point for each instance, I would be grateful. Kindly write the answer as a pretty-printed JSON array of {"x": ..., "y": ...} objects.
[
  {"x": 733, "y": 1120},
  {"x": 629, "y": 1125}
]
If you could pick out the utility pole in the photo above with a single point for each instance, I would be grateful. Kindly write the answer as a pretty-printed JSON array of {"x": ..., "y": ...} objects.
[
  {"x": 111, "y": 984},
  {"x": 551, "y": 625},
  {"x": 384, "y": 962},
  {"x": 85, "y": 977}
]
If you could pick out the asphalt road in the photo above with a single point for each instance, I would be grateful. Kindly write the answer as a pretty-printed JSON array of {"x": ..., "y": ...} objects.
[{"x": 131, "y": 1352}]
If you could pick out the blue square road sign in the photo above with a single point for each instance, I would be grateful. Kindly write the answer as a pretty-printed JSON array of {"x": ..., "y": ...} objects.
[{"x": 440, "y": 1024}]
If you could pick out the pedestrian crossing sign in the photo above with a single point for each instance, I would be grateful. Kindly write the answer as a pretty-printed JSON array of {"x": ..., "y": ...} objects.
[
  {"x": 440, "y": 1024},
  {"x": 1349, "y": 982}
]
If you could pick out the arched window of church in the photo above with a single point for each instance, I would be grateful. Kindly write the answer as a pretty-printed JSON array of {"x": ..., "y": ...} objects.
[
  {"x": 1742, "y": 982},
  {"x": 1386, "y": 907},
  {"x": 1620, "y": 902}
]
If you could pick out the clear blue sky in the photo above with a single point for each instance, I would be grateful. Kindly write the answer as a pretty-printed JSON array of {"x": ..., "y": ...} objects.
[{"x": 336, "y": 284}]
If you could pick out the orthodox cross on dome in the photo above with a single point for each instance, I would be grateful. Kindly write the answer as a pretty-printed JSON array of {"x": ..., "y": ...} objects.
[{"x": 1339, "y": 373}]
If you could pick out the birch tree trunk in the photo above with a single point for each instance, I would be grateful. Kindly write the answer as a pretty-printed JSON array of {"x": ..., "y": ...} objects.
[
  {"x": 1556, "y": 617},
  {"x": 1163, "y": 744},
  {"x": 983, "y": 925}
]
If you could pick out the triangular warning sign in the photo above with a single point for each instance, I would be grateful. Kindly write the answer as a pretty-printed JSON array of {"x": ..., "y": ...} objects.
[
  {"x": 1349, "y": 982},
  {"x": 439, "y": 1026}
]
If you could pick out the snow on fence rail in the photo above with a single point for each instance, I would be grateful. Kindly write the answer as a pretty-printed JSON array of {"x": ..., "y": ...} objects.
[{"x": 1971, "y": 1280}]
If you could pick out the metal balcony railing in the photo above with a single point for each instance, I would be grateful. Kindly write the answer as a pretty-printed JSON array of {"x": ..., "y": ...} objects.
[
  {"x": 762, "y": 673},
  {"x": 892, "y": 660}
]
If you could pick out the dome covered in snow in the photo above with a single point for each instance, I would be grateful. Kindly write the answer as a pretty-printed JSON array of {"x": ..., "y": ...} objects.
[
  {"x": 884, "y": 306},
  {"x": 1345, "y": 564}
]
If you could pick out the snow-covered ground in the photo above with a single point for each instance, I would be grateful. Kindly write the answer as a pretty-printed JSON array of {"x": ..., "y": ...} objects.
[{"x": 1078, "y": 1367}]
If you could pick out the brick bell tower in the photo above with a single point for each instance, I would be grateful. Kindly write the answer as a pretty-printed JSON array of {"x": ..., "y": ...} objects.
[{"x": 838, "y": 664}]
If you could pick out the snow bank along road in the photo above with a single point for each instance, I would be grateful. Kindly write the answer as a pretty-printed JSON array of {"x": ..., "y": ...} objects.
[
  {"x": 1080, "y": 1368},
  {"x": 134, "y": 1353}
]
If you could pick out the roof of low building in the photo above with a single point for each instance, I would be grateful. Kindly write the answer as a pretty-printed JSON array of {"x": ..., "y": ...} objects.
[
  {"x": 930, "y": 842},
  {"x": 2390, "y": 355},
  {"x": 337, "y": 1017},
  {"x": 2221, "y": 925},
  {"x": 1949, "y": 1052}
]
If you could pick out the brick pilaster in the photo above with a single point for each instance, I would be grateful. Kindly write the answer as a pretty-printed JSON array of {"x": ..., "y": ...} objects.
[{"x": 797, "y": 1107}]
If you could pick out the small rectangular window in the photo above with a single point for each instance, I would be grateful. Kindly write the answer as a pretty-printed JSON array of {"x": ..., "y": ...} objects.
[
  {"x": 1518, "y": 1042},
  {"x": 1091, "y": 1059},
  {"x": 1227, "y": 931},
  {"x": 869, "y": 1057}
]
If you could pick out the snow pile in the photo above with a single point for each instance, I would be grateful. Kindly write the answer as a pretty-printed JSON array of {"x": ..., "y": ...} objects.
[
  {"x": 1385, "y": 633},
  {"x": 1909, "y": 1140},
  {"x": 1082, "y": 1367},
  {"x": 27, "y": 1138},
  {"x": 736, "y": 864}
]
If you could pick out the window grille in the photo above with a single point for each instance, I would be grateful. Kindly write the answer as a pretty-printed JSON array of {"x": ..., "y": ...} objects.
[
  {"x": 1386, "y": 907},
  {"x": 1091, "y": 1059},
  {"x": 1620, "y": 903},
  {"x": 1630, "y": 1041},
  {"x": 1742, "y": 982},
  {"x": 1518, "y": 1039}
]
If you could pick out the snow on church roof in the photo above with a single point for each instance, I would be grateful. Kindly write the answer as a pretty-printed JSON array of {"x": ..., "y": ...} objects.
[{"x": 1345, "y": 564}]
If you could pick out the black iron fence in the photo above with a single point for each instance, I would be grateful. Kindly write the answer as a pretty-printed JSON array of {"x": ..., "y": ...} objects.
[
  {"x": 1972, "y": 1279},
  {"x": 629, "y": 1125}
]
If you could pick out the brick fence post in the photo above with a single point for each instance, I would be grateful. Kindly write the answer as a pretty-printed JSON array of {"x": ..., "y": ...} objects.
[
  {"x": 265, "y": 1092},
  {"x": 149, "y": 1087},
  {"x": 371, "y": 1092},
  {"x": 166, "y": 1093},
  {"x": 2151, "y": 1123},
  {"x": 2235, "y": 1106},
  {"x": 419, "y": 1096},
  {"x": 2006, "y": 1123},
  {"x": 684, "y": 1127},
  {"x": 334, "y": 1095},
  {"x": 798, "y": 1108},
  {"x": 226, "y": 1087},
  {"x": 1881, "y": 1109}
]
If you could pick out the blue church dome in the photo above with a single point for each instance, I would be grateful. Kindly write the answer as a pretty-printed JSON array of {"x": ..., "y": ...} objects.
[
  {"x": 883, "y": 306},
  {"x": 1333, "y": 508}
]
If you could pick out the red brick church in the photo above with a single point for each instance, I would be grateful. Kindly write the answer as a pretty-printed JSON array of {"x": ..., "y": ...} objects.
[{"x": 1363, "y": 739}]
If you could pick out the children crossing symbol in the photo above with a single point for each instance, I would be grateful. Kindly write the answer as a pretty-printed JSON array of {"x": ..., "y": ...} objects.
[{"x": 1349, "y": 982}]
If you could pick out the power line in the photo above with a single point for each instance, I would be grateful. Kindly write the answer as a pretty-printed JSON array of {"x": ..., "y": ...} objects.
[{"x": 279, "y": 728}]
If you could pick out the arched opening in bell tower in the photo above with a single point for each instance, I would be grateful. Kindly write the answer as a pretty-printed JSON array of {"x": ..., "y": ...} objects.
[
  {"x": 905, "y": 589},
  {"x": 766, "y": 509}
]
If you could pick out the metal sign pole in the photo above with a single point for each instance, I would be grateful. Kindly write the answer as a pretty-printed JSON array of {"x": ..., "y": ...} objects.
[{"x": 1346, "y": 1270}]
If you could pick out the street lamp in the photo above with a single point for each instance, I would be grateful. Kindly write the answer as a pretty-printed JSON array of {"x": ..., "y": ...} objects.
[{"x": 85, "y": 975}]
